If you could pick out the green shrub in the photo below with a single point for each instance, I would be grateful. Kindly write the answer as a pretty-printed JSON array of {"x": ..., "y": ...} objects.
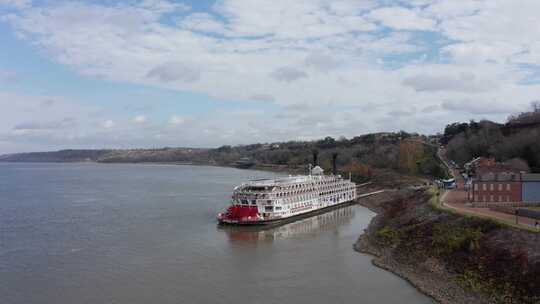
[
  {"x": 449, "y": 238},
  {"x": 389, "y": 236},
  {"x": 474, "y": 281}
]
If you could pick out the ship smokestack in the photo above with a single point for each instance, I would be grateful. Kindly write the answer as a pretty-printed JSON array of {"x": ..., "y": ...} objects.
[
  {"x": 334, "y": 165},
  {"x": 315, "y": 158}
]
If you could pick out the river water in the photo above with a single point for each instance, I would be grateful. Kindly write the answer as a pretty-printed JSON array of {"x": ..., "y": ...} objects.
[{"x": 92, "y": 233}]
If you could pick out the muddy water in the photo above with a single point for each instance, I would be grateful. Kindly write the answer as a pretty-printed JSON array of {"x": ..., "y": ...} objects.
[{"x": 89, "y": 233}]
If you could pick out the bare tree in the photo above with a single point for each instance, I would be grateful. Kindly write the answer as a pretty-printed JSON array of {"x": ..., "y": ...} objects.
[
  {"x": 518, "y": 164},
  {"x": 535, "y": 105}
]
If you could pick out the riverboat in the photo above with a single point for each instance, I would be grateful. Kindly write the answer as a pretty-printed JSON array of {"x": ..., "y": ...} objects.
[{"x": 266, "y": 201}]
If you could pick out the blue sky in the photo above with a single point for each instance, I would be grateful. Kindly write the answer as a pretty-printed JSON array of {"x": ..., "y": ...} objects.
[{"x": 151, "y": 73}]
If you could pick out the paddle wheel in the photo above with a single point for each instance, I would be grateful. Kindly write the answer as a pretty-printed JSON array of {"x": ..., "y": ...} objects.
[{"x": 240, "y": 213}]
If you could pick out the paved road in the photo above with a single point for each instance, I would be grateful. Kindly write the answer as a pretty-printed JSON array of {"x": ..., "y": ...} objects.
[{"x": 457, "y": 199}]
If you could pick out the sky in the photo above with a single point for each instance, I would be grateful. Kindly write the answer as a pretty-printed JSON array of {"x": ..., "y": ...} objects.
[{"x": 203, "y": 73}]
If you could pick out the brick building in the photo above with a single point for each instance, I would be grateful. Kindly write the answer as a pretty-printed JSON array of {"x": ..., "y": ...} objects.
[
  {"x": 499, "y": 183},
  {"x": 496, "y": 184},
  {"x": 493, "y": 182}
]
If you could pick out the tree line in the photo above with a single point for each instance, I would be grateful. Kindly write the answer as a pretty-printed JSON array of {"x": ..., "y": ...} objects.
[{"x": 517, "y": 141}]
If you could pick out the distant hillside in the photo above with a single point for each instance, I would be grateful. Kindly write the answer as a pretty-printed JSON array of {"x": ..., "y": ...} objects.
[
  {"x": 116, "y": 156},
  {"x": 358, "y": 155},
  {"x": 58, "y": 156},
  {"x": 518, "y": 140}
]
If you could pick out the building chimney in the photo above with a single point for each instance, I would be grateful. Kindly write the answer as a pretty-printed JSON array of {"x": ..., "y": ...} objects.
[
  {"x": 334, "y": 165},
  {"x": 315, "y": 158}
]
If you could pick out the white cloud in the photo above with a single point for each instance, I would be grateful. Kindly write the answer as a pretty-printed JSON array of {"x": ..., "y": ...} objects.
[
  {"x": 139, "y": 119},
  {"x": 67, "y": 122},
  {"x": 16, "y": 3},
  {"x": 477, "y": 107},
  {"x": 446, "y": 10},
  {"x": 402, "y": 19},
  {"x": 323, "y": 62},
  {"x": 288, "y": 74},
  {"x": 175, "y": 71},
  {"x": 262, "y": 97},
  {"x": 108, "y": 124},
  {"x": 164, "y": 6},
  {"x": 8, "y": 76},
  {"x": 107, "y": 41},
  {"x": 293, "y": 19},
  {"x": 177, "y": 120},
  {"x": 203, "y": 22},
  {"x": 464, "y": 82},
  {"x": 373, "y": 60},
  {"x": 476, "y": 52}
]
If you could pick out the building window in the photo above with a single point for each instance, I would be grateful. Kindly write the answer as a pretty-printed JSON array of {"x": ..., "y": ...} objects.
[
  {"x": 491, "y": 187},
  {"x": 483, "y": 198},
  {"x": 507, "y": 187},
  {"x": 475, "y": 187},
  {"x": 491, "y": 198},
  {"x": 500, "y": 187},
  {"x": 500, "y": 198},
  {"x": 484, "y": 187},
  {"x": 508, "y": 198}
]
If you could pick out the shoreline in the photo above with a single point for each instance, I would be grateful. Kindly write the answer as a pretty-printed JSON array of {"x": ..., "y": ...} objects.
[
  {"x": 429, "y": 277},
  {"x": 364, "y": 246},
  {"x": 433, "y": 285}
]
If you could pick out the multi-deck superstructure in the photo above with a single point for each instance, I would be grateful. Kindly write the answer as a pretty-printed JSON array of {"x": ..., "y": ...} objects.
[{"x": 269, "y": 200}]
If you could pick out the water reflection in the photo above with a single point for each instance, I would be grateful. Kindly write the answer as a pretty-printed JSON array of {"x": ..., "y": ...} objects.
[{"x": 329, "y": 221}]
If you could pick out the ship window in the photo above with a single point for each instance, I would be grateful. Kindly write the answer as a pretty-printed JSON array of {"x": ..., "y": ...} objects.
[
  {"x": 278, "y": 208},
  {"x": 253, "y": 202},
  {"x": 268, "y": 208},
  {"x": 244, "y": 202}
]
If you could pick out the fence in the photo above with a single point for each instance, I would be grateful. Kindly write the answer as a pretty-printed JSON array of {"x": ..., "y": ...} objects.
[
  {"x": 501, "y": 204},
  {"x": 529, "y": 213},
  {"x": 520, "y": 211}
]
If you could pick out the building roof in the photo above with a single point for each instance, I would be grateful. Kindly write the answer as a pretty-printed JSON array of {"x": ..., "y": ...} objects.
[
  {"x": 496, "y": 168},
  {"x": 530, "y": 177},
  {"x": 497, "y": 173}
]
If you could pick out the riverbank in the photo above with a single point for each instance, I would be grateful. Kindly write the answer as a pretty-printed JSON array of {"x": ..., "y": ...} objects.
[{"x": 451, "y": 258}]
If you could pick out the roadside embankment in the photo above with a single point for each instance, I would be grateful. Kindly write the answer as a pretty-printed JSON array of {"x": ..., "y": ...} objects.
[{"x": 452, "y": 258}]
